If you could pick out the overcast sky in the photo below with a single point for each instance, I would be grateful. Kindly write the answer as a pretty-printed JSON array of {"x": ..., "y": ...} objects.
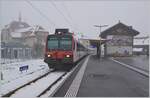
[{"x": 79, "y": 16}]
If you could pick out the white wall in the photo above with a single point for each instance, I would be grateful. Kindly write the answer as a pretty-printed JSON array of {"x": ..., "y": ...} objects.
[{"x": 119, "y": 45}]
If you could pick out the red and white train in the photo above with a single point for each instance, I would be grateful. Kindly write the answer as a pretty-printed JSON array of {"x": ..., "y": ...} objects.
[{"x": 63, "y": 50}]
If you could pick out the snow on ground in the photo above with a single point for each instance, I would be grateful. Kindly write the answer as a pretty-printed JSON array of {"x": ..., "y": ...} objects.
[
  {"x": 55, "y": 87},
  {"x": 38, "y": 87},
  {"x": 12, "y": 77},
  {"x": 11, "y": 71},
  {"x": 7, "y": 61}
]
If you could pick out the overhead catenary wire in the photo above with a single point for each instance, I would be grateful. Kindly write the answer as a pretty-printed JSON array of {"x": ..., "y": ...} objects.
[
  {"x": 69, "y": 15},
  {"x": 76, "y": 26},
  {"x": 40, "y": 12},
  {"x": 66, "y": 10},
  {"x": 48, "y": 19},
  {"x": 60, "y": 12},
  {"x": 66, "y": 19}
]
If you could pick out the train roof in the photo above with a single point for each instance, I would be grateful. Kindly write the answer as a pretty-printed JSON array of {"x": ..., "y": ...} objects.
[{"x": 60, "y": 34}]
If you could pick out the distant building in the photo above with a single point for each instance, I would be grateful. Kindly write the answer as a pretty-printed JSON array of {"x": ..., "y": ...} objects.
[
  {"x": 33, "y": 37},
  {"x": 85, "y": 42},
  {"x": 141, "y": 45},
  {"x": 23, "y": 33},
  {"x": 11, "y": 27},
  {"x": 30, "y": 36},
  {"x": 120, "y": 38},
  {"x": 14, "y": 50},
  {"x": 141, "y": 50}
]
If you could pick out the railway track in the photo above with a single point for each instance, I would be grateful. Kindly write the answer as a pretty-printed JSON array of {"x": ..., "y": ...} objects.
[
  {"x": 51, "y": 85},
  {"x": 49, "y": 82},
  {"x": 51, "y": 90},
  {"x": 51, "y": 78},
  {"x": 40, "y": 86},
  {"x": 24, "y": 85}
]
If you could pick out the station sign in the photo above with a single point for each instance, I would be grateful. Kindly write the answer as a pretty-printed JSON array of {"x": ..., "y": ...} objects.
[{"x": 23, "y": 68}]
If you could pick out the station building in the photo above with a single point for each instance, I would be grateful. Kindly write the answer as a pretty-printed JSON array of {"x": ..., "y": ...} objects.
[
  {"x": 85, "y": 42},
  {"x": 120, "y": 40}
]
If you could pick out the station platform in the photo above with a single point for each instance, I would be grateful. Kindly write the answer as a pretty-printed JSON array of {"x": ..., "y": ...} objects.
[
  {"x": 105, "y": 78},
  {"x": 102, "y": 77},
  {"x": 141, "y": 61}
]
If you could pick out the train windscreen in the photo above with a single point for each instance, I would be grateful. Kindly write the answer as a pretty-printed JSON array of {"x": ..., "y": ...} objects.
[
  {"x": 53, "y": 43},
  {"x": 60, "y": 43},
  {"x": 65, "y": 43}
]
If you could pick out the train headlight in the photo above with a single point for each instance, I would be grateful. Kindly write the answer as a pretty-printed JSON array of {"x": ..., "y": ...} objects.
[
  {"x": 48, "y": 55},
  {"x": 68, "y": 56}
]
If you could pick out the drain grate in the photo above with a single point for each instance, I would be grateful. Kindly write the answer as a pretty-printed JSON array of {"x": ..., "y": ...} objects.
[{"x": 99, "y": 76}]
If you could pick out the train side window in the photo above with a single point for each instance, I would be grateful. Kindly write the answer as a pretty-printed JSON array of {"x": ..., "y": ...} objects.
[{"x": 74, "y": 45}]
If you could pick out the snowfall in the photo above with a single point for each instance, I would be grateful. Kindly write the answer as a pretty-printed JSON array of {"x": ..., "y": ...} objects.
[{"x": 12, "y": 77}]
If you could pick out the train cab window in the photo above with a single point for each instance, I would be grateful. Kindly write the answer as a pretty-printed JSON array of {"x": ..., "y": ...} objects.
[
  {"x": 74, "y": 45},
  {"x": 53, "y": 43},
  {"x": 66, "y": 43}
]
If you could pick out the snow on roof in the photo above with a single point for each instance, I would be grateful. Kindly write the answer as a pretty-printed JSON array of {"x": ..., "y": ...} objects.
[
  {"x": 15, "y": 25},
  {"x": 39, "y": 28},
  {"x": 16, "y": 34},
  {"x": 31, "y": 29},
  {"x": 32, "y": 34},
  {"x": 7, "y": 26},
  {"x": 42, "y": 30},
  {"x": 24, "y": 30}
]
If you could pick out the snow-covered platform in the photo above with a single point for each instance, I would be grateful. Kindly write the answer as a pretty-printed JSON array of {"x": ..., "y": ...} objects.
[{"x": 12, "y": 77}]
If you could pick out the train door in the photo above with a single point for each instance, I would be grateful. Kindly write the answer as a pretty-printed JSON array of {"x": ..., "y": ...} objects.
[{"x": 75, "y": 55}]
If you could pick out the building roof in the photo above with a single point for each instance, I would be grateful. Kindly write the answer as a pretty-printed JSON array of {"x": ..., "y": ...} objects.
[
  {"x": 119, "y": 29},
  {"x": 18, "y": 33},
  {"x": 96, "y": 42},
  {"x": 31, "y": 29},
  {"x": 14, "y": 25}
]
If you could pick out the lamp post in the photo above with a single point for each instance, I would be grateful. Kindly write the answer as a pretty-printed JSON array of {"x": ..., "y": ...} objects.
[{"x": 99, "y": 45}]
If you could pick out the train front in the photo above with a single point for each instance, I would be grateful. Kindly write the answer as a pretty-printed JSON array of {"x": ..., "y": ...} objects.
[{"x": 59, "y": 51}]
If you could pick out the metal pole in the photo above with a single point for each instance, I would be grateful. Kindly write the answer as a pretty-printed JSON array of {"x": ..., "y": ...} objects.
[
  {"x": 99, "y": 47},
  {"x": 100, "y": 44}
]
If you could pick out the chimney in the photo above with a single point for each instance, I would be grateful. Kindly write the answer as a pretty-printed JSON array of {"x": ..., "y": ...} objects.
[{"x": 19, "y": 17}]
